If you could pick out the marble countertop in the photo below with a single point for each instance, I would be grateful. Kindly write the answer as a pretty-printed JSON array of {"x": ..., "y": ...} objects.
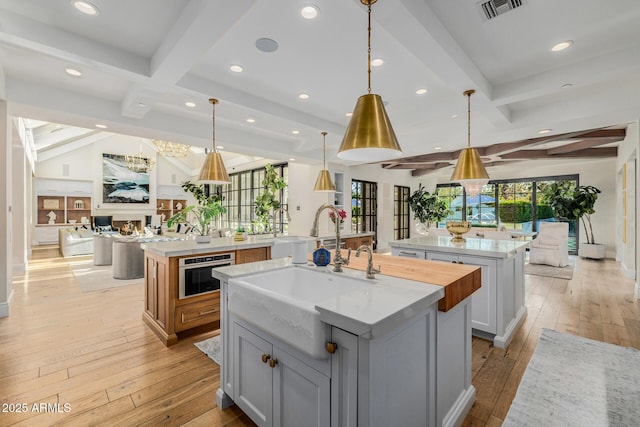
[
  {"x": 190, "y": 247},
  {"x": 345, "y": 235},
  {"x": 473, "y": 246},
  {"x": 368, "y": 312}
]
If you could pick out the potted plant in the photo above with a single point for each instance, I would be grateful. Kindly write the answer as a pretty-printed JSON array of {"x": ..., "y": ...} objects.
[
  {"x": 267, "y": 202},
  {"x": 427, "y": 207},
  {"x": 201, "y": 215},
  {"x": 240, "y": 234},
  {"x": 576, "y": 204}
]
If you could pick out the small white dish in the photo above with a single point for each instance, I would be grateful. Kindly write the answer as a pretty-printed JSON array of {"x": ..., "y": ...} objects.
[{"x": 72, "y": 221}]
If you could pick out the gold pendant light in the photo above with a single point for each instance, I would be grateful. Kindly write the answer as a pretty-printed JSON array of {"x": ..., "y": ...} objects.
[
  {"x": 213, "y": 170},
  {"x": 470, "y": 171},
  {"x": 324, "y": 182},
  {"x": 369, "y": 136}
]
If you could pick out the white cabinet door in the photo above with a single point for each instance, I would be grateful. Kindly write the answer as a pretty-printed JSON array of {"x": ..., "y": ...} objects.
[
  {"x": 409, "y": 253},
  {"x": 344, "y": 379},
  {"x": 253, "y": 379},
  {"x": 484, "y": 309},
  {"x": 301, "y": 395},
  {"x": 484, "y": 301}
]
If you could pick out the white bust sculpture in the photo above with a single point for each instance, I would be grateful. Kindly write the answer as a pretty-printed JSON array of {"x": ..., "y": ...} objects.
[{"x": 52, "y": 217}]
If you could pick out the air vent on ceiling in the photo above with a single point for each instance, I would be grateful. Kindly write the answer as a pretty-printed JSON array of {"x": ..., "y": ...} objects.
[{"x": 493, "y": 8}]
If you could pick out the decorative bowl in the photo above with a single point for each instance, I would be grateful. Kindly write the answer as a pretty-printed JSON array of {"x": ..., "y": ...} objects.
[
  {"x": 458, "y": 228},
  {"x": 72, "y": 221}
]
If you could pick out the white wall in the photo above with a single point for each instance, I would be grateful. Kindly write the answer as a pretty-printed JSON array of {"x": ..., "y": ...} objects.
[
  {"x": 628, "y": 153},
  {"x": 6, "y": 222},
  {"x": 85, "y": 163}
]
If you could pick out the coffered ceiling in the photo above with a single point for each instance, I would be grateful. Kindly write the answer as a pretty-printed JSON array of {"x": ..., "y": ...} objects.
[{"x": 141, "y": 60}]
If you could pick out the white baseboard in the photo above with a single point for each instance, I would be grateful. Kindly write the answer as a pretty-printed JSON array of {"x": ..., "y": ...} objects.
[
  {"x": 627, "y": 272},
  {"x": 4, "y": 306},
  {"x": 637, "y": 290}
]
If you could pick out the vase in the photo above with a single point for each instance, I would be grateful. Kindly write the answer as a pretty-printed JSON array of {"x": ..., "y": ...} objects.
[
  {"x": 203, "y": 239},
  {"x": 422, "y": 228}
]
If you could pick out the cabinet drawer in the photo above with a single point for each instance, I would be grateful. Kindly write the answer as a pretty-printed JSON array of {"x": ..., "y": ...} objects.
[
  {"x": 198, "y": 313},
  {"x": 251, "y": 255},
  {"x": 409, "y": 253}
]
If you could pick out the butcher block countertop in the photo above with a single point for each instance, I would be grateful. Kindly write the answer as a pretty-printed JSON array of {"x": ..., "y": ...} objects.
[{"x": 459, "y": 280}]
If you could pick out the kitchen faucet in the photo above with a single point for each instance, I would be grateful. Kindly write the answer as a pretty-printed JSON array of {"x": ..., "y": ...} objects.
[
  {"x": 371, "y": 272},
  {"x": 276, "y": 210},
  {"x": 338, "y": 261}
]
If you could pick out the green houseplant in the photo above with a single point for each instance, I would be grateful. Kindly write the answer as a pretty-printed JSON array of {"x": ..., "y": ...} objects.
[
  {"x": 577, "y": 204},
  {"x": 201, "y": 215},
  {"x": 267, "y": 202},
  {"x": 427, "y": 207}
]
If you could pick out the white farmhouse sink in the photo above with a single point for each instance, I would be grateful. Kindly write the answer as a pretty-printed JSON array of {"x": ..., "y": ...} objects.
[{"x": 282, "y": 303}]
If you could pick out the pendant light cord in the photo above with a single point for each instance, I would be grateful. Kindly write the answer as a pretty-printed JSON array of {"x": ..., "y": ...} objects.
[
  {"x": 213, "y": 122},
  {"x": 324, "y": 149},
  {"x": 369, "y": 50},
  {"x": 468, "y": 94}
]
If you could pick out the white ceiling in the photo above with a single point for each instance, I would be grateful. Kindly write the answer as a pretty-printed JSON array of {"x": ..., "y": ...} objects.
[{"x": 163, "y": 53}]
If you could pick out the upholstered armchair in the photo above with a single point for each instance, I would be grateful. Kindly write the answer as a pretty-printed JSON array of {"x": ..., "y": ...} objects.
[{"x": 551, "y": 247}]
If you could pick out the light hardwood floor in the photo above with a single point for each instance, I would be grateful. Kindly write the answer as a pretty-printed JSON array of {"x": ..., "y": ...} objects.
[{"x": 92, "y": 350}]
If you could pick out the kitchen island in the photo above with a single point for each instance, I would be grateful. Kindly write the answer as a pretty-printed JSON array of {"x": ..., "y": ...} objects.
[
  {"x": 498, "y": 307},
  {"x": 392, "y": 357},
  {"x": 173, "y": 306}
]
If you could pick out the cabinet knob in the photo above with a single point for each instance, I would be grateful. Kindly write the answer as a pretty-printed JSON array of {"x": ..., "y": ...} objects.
[
  {"x": 273, "y": 362},
  {"x": 265, "y": 358},
  {"x": 331, "y": 347}
]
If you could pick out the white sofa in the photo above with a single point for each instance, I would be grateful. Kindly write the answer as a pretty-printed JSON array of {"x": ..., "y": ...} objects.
[{"x": 75, "y": 241}]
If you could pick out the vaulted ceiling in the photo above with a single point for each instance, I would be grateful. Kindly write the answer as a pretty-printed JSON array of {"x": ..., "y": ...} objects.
[{"x": 142, "y": 60}]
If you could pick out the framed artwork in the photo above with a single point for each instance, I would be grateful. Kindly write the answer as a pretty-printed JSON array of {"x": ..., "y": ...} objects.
[
  {"x": 120, "y": 184},
  {"x": 51, "y": 204}
]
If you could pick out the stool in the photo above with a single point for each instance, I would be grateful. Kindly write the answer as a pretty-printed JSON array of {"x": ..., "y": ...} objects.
[
  {"x": 102, "y": 250},
  {"x": 128, "y": 259}
]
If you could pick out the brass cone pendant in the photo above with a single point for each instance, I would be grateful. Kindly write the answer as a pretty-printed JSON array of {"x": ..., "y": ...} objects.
[
  {"x": 369, "y": 136},
  {"x": 213, "y": 170},
  {"x": 324, "y": 182},
  {"x": 469, "y": 166}
]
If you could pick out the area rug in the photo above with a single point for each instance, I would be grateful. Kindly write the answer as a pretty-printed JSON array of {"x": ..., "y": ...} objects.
[
  {"x": 575, "y": 381},
  {"x": 549, "y": 271},
  {"x": 211, "y": 347},
  {"x": 92, "y": 278}
]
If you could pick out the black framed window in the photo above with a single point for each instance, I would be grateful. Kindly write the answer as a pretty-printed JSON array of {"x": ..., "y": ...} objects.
[
  {"x": 364, "y": 202},
  {"x": 239, "y": 197},
  {"x": 511, "y": 203},
  {"x": 401, "y": 218}
]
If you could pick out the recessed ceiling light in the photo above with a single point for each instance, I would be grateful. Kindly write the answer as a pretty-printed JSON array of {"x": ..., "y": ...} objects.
[
  {"x": 348, "y": 114},
  {"x": 543, "y": 131},
  {"x": 303, "y": 96},
  {"x": 421, "y": 91},
  {"x": 85, "y": 7},
  {"x": 454, "y": 116},
  {"x": 236, "y": 68},
  {"x": 219, "y": 147},
  {"x": 295, "y": 132},
  {"x": 73, "y": 72},
  {"x": 292, "y": 159},
  {"x": 266, "y": 45},
  {"x": 101, "y": 126},
  {"x": 437, "y": 148},
  {"x": 566, "y": 85},
  {"x": 377, "y": 62},
  {"x": 141, "y": 104},
  {"x": 562, "y": 45},
  {"x": 251, "y": 120},
  {"x": 309, "y": 12},
  {"x": 190, "y": 104}
]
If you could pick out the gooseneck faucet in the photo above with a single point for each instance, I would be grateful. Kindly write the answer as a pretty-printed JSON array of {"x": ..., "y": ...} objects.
[
  {"x": 371, "y": 272},
  {"x": 338, "y": 261},
  {"x": 275, "y": 211}
]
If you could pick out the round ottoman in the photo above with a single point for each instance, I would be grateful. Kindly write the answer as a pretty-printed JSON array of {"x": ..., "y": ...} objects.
[
  {"x": 128, "y": 259},
  {"x": 102, "y": 249}
]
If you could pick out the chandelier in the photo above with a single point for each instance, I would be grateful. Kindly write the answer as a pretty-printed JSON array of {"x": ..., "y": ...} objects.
[
  {"x": 170, "y": 149},
  {"x": 139, "y": 162}
]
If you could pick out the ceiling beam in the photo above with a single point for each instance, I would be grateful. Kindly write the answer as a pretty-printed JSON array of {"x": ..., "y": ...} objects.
[
  {"x": 544, "y": 154},
  {"x": 579, "y": 145}
]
